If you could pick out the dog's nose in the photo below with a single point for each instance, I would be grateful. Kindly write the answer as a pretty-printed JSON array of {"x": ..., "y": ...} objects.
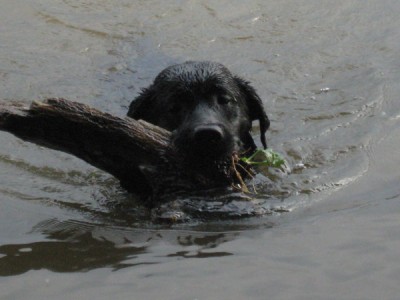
[{"x": 208, "y": 134}]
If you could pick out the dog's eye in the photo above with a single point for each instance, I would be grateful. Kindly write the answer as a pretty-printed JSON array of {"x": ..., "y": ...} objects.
[{"x": 225, "y": 99}]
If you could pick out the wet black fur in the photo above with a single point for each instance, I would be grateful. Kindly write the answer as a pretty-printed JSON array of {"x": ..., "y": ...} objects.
[
  {"x": 193, "y": 95},
  {"x": 190, "y": 94}
]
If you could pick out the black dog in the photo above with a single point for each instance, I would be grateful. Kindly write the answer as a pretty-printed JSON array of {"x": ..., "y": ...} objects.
[{"x": 209, "y": 110}]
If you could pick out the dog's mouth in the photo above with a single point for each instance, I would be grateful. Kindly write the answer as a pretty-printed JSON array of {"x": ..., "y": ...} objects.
[{"x": 209, "y": 153}]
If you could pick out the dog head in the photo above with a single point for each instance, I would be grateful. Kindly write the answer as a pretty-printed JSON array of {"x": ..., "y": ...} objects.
[{"x": 209, "y": 110}]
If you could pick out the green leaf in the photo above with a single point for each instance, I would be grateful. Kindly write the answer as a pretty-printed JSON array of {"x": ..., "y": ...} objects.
[{"x": 265, "y": 157}]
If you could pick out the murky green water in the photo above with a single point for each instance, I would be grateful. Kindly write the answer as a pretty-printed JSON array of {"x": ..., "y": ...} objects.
[{"x": 328, "y": 72}]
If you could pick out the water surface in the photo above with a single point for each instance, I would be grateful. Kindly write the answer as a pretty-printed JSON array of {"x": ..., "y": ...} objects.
[{"x": 327, "y": 72}]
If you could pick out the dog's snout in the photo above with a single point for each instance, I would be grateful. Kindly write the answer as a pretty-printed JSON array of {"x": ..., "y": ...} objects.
[
  {"x": 208, "y": 134},
  {"x": 204, "y": 141}
]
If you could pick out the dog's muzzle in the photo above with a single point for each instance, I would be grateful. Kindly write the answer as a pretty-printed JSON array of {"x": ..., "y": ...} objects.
[
  {"x": 204, "y": 141},
  {"x": 211, "y": 135}
]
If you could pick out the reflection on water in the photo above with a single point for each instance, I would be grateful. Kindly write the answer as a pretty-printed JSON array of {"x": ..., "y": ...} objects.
[
  {"x": 72, "y": 246},
  {"x": 69, "y": 247}
]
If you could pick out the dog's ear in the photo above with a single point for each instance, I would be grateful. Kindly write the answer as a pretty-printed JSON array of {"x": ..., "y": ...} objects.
[
  {"x": 255, "y": 107},
  {"x": 140, "y": 107}
]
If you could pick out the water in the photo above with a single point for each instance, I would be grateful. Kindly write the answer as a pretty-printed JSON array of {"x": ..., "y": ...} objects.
[{"x": 328, "y": 74}]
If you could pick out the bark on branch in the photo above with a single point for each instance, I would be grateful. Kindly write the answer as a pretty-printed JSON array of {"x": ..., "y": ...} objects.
[{"x": 137, "y": 153}]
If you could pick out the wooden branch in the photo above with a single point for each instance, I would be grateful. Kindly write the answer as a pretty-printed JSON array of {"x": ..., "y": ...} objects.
[
  {"x": 115, "y": 145},
  {"x": 137, "y": 153}
]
